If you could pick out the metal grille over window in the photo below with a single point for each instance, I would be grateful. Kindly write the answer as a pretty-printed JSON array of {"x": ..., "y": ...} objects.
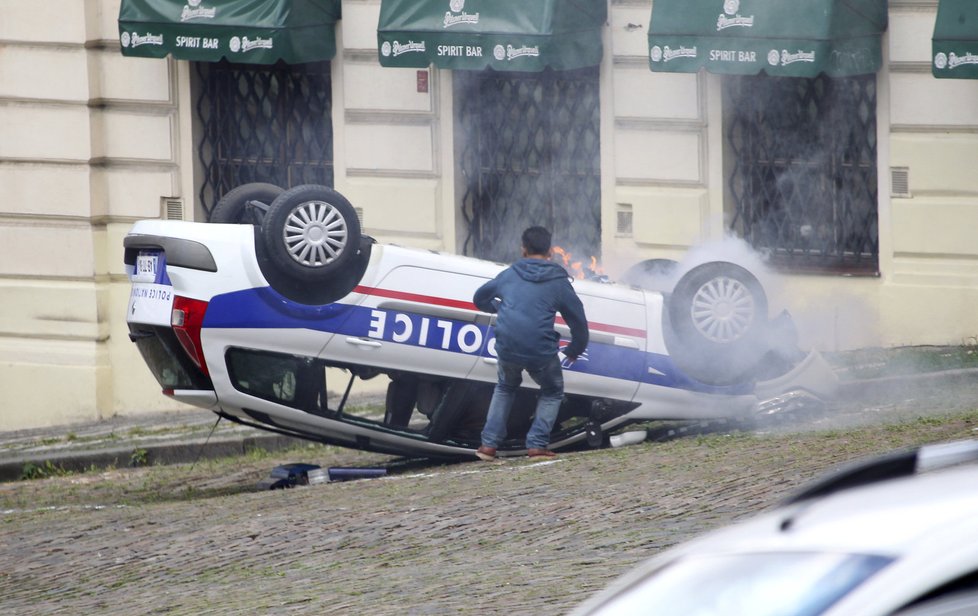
[
  {"x": 802, "y": 174},
  {"x": 528, "y": 151},
  {"x": 260, "y": 123}
]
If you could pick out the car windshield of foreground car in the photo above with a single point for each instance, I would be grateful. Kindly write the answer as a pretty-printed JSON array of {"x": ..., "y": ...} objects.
[{"x": 762, "y": 584}]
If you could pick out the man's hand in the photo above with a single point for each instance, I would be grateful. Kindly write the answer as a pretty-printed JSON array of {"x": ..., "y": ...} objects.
[{"x": 568, "y": 360}]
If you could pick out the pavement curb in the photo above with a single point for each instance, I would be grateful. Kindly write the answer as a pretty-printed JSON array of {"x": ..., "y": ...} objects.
[
  {"x": 890, "y": 386},
  {"x": 135, "y": 454}
]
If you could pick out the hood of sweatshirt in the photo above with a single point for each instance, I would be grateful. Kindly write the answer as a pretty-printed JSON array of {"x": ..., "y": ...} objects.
[{"x": 538, "y": 270}]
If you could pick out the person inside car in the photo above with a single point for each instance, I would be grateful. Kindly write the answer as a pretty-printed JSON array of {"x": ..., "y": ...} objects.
[{"x": 527, "y": 297}]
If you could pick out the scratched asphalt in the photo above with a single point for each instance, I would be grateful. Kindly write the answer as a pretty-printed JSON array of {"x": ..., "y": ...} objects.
[{"x": 469, "y": 538}]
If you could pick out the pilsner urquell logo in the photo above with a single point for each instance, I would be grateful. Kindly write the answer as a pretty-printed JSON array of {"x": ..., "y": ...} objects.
[
  {"x": 509, "y": 52},
  {"x": 954, "y": 60},
  {"x": 193, "y": 10},
  {"x": 660, "y": 54},
  {"x": 518, "y": 52},
  {"x": 451, "y": 19},
  {"x": 255, "y": 43},
  {"x": 786, "y": 57},
  {"x": 397, "y": 48},
  {"x": 244, "y": 43},
  {"x": 135, "y": 40},
  {"x": 730, "y": 19},
  {"x": 682, "y": 52}
]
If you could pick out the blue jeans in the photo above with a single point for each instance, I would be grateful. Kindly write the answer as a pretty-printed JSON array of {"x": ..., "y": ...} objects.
[{"x": 549, "y": 377}]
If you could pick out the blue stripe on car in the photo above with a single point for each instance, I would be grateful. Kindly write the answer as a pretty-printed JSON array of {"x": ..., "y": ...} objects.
[{"x": 263, "y": 308}]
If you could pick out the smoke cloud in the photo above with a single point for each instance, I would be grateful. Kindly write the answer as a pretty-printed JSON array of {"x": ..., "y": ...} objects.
[{"x": 826, "y": 318}]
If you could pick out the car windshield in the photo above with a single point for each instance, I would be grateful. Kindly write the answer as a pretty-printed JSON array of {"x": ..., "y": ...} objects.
[{"x": 761, "y": 584}]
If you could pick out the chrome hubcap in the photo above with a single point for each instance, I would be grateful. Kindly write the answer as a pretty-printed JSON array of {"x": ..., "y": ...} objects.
[
  {"x": 722, "y": 310},
  {"x": 315, "y": 233}
]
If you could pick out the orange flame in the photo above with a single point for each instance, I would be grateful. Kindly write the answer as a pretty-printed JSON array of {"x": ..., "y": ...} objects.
[{"x": 576, "y": 268}]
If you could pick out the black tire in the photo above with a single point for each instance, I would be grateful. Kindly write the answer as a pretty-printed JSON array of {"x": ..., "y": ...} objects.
[
  {"x": 311, "y": 232},
  {"x": 651, "y": 274},
  {"x": 717, "y": 321},
  {"x": 233, "y": 206}
]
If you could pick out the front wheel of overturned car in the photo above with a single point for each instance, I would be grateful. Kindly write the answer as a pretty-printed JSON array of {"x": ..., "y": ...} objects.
[
  {"x": 311, "y": 232},
  {"x": 717, "y": 320},
  {"x": 245, "y": 204}
]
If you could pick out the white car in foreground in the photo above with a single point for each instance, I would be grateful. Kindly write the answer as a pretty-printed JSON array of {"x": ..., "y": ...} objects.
[
  {"x": 243, "y": 317},
  {"x": 892, "y": 536}
]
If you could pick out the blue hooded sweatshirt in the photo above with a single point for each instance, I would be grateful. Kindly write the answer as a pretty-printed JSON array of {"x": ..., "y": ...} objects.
[{"x": 527, "y": 295}]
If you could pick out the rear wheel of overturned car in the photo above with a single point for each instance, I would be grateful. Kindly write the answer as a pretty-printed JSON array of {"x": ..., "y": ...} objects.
[
  {"x": 311, "y": 232},
  {"x": 245, "y": 204},
  {"x": 717, "y": 322}
]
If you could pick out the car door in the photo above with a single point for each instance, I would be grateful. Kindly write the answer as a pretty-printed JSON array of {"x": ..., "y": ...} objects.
[
  {"x": 415, "y": 319},
  {"x": 613, "y": 363}
]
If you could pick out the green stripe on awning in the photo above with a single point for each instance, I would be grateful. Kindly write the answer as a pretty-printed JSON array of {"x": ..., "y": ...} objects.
[
  {"x": 506, "y": 35},
  {"x": 787, "y": 38},
  {"x": 249, "y": 31},
  {"x": 955, "y": 41}
]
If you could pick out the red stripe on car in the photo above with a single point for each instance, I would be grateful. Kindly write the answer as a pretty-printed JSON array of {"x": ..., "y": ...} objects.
[{"x": 455, "y": 303}]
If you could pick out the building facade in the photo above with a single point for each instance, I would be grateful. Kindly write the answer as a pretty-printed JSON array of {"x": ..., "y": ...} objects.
[{"x": 872, "y": 246}]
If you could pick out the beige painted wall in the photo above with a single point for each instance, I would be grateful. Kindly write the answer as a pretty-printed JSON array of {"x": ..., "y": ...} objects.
[
  {"x": 91, "y": 141},
  {"x": 392, "y": 140},
  {"x": 87, "y": 145}
]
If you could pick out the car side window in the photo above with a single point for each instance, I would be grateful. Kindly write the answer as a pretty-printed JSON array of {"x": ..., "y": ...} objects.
[{"x": 291, "y": 380}]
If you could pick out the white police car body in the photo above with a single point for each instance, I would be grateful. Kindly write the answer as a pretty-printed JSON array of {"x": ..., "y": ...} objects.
[{"x": 244, "y": 319}]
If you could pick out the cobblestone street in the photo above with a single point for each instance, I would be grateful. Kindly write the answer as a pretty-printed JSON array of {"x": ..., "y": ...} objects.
[{"x": 468, "y": 538}]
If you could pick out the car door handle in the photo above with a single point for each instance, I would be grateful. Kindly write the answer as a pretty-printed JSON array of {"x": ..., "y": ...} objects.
[
  {"x": 625, "y": 342},
  {"x": 492, "y": 361},
  {"x": 365, "y": 343}
]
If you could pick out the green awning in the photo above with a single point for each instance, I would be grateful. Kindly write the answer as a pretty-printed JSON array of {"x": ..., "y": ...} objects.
[
  {"x": 249, "y": 31},
  {"x": 785, "y": 38},
  {"x": 955, "y": 41},
  {"x": 506, "y": 35}
]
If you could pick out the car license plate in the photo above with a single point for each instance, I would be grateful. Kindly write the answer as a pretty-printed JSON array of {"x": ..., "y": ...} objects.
[
  {"x": 151, "y": 298},
  {"x": 149, "y": 265}
]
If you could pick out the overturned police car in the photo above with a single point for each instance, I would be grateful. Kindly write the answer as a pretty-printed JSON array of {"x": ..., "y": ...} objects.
[{"x": 247, "y": 315}]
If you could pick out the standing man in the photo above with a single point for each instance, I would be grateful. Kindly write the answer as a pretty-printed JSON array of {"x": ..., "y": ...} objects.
[{"x": 527, "y": 296}]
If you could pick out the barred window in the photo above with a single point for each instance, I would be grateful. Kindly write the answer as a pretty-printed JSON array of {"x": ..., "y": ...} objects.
[
  {"x": 527, "y": 146},
  {"x": 801, "y": 170},
  {"x": 262, "y": 123}
]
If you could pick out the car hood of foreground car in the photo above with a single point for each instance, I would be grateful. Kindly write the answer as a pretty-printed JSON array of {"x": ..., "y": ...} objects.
[
  {"x": 912, "y": 535},
  {"x": 891, "y": 517}
]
